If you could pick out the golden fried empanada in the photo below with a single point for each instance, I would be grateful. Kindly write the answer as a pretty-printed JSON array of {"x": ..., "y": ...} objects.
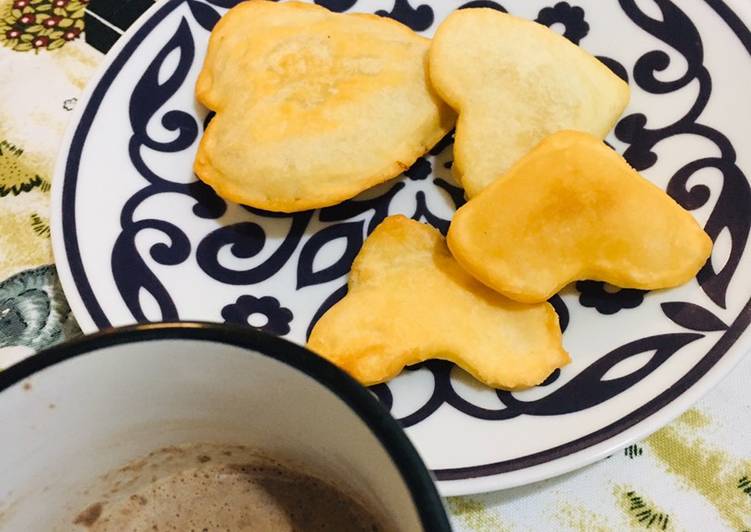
[
  {"x": 312, "y": 107},
  {"x": 409, "y": 301},
  {"x": 513, "y": 82},
  {"x": 574, "y": 209}
]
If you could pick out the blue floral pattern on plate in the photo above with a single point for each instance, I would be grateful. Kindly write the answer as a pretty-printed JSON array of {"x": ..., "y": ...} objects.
[{"x": 290, "y": 268}]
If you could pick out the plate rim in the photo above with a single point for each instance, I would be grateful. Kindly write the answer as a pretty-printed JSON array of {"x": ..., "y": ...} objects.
[{"x": 467, "y": 480}]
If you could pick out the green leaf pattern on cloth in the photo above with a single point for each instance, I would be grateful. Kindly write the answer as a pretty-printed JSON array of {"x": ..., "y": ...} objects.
[
  {"x": 15, "y": 176},
  {"x": 27, "y": 25},
  {"x": 643, "y": 513}
]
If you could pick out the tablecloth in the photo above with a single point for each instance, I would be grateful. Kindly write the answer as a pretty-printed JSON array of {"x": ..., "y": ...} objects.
[{"x": 694, "y": 474}]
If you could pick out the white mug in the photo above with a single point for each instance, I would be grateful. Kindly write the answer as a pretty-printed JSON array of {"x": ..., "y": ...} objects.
[{"x": 86, "y": 407}]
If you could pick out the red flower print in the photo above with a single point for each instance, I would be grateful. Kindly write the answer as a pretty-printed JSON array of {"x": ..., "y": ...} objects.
[
  {"x": 40, "y": 24},
  {"x": 71, "y": 34},
  {"x": 39, "y": 42}
]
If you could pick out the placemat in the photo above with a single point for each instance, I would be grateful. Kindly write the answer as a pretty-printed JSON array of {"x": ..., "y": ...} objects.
[{"x": 695, "y": 474}]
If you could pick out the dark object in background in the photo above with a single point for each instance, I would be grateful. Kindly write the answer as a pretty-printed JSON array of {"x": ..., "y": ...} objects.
[{"x": 106, "y": 20}]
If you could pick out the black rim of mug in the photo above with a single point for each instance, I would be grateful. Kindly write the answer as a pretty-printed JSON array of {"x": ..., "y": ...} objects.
[{"x": 384, "y": 427}]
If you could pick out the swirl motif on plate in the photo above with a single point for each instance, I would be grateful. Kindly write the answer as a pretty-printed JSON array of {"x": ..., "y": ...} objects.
[{"x": 303, "y": 242}]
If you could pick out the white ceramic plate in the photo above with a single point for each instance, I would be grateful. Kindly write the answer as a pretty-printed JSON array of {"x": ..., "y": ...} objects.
[{"x": 137, "y": 239}]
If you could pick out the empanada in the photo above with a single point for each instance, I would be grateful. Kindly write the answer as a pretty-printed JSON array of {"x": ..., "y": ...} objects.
[
  {"x": 409, "y": 301},
  {"x": 312, "y": 107},
  {"x": 513, "y": 82},
  {"x": 574, "y": 209}
]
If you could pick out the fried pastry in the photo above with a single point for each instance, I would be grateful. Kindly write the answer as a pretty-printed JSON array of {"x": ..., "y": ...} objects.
[
  {"x": 312, "y": 107},
  {"x": 513, "y": 82},
  {"x": 410, "y": 301},
  {"x": 573, "y": 209}
]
